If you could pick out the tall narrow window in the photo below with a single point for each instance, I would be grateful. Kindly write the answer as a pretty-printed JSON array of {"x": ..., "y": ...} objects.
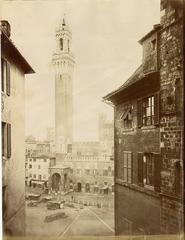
[
  {"x": 127, "y": 167},
  {"x": 9, "y": 140},
  {"x": 148, "y": 160},
  {"x": 5, "y": 76},
  {"x": 153, "y": 43},
  {"x": 68, "y": 46},
  {"x": 4, "y": 200},
  {"x": 149, "y": 170},
  {"x": 148, "y": 111},
  {"x": 61, "y": 43},
  {"x": 3, "y": 125},
  {"x": 8, "y": 78}
]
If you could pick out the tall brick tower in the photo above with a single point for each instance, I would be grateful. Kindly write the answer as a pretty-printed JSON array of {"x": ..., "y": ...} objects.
[{"x": 63, "y": 61}]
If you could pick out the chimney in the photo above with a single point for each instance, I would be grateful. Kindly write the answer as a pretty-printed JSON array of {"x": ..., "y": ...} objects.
[{"x": 5, "y": 26}]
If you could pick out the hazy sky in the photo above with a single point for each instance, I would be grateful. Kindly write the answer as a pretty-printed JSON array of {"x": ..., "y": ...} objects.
[{"x": 105, "y": 45}]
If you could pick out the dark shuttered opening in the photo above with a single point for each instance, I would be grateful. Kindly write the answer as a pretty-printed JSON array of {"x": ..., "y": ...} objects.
[{"x": 140, "y": 169}]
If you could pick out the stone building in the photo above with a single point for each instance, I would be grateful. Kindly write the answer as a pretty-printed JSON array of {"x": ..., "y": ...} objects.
[
  {"x": 148, "y": 133},
  {"x": 37, "y": 170},
  {"x": 13, "y": 69},
  {"x": 91, "y": 173},
  {"x": 35, "y": 147},
  {"x": 106, "y": 135},
  {"x": 63, "y": 61}
]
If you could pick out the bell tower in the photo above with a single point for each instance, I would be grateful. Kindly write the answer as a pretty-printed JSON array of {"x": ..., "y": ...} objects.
[{"x": 63, "y": 61}]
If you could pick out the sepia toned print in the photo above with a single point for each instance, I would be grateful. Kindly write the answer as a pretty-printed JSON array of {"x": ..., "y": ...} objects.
[{"x": 92, "y": 119}]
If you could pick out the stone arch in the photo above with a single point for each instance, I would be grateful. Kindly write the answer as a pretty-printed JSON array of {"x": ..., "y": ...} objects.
[
  {"x": 56, "y": 181},
  {"x": 87, "y": 187},
  {"x": 79, "y": 186}
]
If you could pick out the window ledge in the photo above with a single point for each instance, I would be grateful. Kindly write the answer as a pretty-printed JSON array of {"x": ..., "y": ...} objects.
[
  {"x": 138, "y": 188},
  {"x": 127, "y": 130},
  {"x": 151, "y": 127}
]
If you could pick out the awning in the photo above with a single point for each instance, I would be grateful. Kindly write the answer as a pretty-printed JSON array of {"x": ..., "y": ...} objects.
[
  {"x": 37, "y": 182},
  {"x": 124, "y": 115},
  {"x": 104, "y": 188}
]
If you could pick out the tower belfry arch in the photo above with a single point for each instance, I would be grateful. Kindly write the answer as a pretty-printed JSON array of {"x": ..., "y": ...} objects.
[{"x": 63, "y": 62}]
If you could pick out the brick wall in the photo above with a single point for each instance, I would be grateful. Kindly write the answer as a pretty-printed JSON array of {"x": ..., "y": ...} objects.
[{"x": 171, "y": 74}]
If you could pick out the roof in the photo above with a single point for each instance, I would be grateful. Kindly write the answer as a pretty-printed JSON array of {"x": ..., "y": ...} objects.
[
  {"x": 136, "y": 76},
  {"x": 10, "y": 49},
  {"x": 156, "y": 27}
]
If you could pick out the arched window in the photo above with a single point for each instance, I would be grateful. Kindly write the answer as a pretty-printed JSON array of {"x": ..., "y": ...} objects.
[{"x": 61, "y": 43}]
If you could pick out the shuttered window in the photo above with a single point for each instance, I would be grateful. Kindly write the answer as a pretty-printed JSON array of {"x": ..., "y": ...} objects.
[
  {"x": 6, "y": 139},
  {"x": 148, "y": 111},
  {"x": 5, "y": 76},
  {"x": 140, "y": 169},
  {"x": 157, "y": 172},
  {"x": 139, "y": 113},
  {"x": 156, "y": 109},
  {"x": 2, "y": 74},
  {"x": 127, "y": 167},
  {"x": 8, "y": 78},
  {"x": 4, "y": 134},
  {"x": 149, "y": 170}
]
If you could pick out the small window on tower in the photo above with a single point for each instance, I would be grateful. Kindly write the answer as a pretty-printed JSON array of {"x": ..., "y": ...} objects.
[
  {"x": 61, "y": 43},
  {"x": 68, "y": 45},
  {"x": 153, "y": 44}
]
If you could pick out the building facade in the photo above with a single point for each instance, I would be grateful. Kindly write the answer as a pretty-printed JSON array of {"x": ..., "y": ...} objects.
[
  {"x": 148, "y": 117},
  {"x": 63, "y": 62},
  {"x": 37, "y": 170},
  {"x": 13, "y": 70},
  {"x": 36, "y": 148},
  {"x": 90, "y": 173}
]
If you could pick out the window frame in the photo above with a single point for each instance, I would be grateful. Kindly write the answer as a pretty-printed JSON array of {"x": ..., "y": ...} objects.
[
  {"x": 5, "y": 76},
  {"x": 128, "y": 167},
  {"x": 61, "y": 44},
  {"x": 127, "y": 123},
  {"x": 148, "y": 105},
  {"x": 6, "y": 139},
  {"x": 148, "y": 169}
]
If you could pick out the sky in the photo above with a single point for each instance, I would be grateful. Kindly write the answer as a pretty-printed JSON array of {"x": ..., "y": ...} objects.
[{"x": 105, "y": 35}]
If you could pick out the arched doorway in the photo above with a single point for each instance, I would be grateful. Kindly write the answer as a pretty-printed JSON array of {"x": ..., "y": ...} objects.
[
  {"x": 56, "y": 178},
  {"x": 87, "y": 187},
  {"x": 79, "y": 187}
]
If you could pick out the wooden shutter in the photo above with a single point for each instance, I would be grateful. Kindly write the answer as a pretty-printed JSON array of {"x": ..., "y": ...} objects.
[
  {"x": 8, "y": 78},
  {"x": 140, "y": 168},
  {"x": 156, "y": 109},
  {"x": 139, "y": 113},
  {"x": 2, "y": 74},
  {"x": 3, "y": 132},
  {"x": 8, "y": 140},
  {"x": 157, "y": 172},
  {"x": 131, "y": 167}
]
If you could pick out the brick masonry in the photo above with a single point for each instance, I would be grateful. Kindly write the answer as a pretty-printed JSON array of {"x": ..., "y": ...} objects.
[
  {"x": 171, "y": 125},
  {"x": 163, "y": 49}
]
